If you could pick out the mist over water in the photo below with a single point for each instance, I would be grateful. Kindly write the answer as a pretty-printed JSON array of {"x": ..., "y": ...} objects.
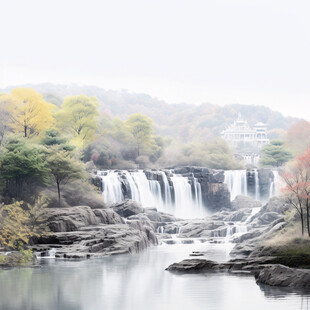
[{"x": 139, "y": 281}]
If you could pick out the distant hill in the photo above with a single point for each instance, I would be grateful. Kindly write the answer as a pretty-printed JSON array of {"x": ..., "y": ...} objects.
[{"x": 185, "y": 121}]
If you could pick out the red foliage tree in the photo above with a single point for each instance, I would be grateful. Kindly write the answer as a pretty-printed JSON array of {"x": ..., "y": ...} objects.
[{"x": 297, "y": 189}]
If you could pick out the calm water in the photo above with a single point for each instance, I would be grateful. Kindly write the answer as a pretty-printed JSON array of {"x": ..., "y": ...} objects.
[{"x": 139, "y": 282}]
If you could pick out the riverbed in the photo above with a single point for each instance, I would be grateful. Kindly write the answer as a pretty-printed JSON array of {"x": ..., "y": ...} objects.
[{"x": 139, "y": 282}]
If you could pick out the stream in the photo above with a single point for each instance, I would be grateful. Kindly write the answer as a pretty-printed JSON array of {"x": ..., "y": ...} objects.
[{"x": 139, "y": 281}]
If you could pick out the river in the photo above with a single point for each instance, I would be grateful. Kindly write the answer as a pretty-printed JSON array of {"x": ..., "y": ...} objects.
[{"x": 139, "y": 282}]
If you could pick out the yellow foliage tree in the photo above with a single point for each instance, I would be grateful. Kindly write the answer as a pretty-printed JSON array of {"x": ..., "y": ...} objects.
[
  {"x": 78, "y": 117},
  {"x": 29, "y": 112},
  {"x": 19, "y": 222}
]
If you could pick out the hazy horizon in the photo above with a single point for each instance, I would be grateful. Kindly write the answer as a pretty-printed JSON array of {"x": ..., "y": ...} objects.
[{"x": 220, "y": 52}]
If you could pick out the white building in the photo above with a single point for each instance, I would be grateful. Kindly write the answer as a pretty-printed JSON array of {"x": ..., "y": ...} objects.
[{"x": 240, "y": 134}]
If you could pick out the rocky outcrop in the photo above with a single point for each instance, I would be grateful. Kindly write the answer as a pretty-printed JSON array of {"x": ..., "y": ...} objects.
[
  {"x": 81, "y": 232},
  {"x": 97, "y": 240},
  {"x": 127, "y": 208},
  {"x": 265, "y": 270},
  {"x": 279, "y": 275},
  {"x": 73, "y": 218},
  {"x": 242, "y": 202}
]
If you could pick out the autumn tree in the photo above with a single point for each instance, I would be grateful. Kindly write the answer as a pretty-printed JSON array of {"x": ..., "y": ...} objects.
[
  {"x": 19, "y": 222},
  {"x": 297, "y": 188},
  {"x": 141, "y": 128},
  {"x": 64, "y": 168},
  {"x": 29, "y": 112},
  {"x": 275, "y": 154},
  {"x": 78, "y": 117}
]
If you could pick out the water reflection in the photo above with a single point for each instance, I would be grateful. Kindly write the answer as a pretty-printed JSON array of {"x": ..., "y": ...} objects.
[{"x": 139, "y": 282}]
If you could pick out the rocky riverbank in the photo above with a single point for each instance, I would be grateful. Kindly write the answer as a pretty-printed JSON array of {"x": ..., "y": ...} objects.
[
  {"x": 283, "y": 264},
  {"x": 265, "y": 269},
  {"x": 82, "y": 232}
]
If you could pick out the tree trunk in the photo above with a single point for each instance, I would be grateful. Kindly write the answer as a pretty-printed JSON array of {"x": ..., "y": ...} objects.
[
  {"x": 58, "y": 189},
  {"x": 302, "y": 222},
  {"x": 308, "y": 219},
  {"x": 25, "y": 131}
]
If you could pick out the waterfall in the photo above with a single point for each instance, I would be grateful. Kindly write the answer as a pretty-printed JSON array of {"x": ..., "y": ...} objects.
[
  {"x": 185, "y": 197},
  {"x": 278, "y": 183},
  {"x": 256, "y": 185},
  {"x": 112, "y": 188},
  {"x": 181, "y": 196},
  {"x": 236, "y": 182}
]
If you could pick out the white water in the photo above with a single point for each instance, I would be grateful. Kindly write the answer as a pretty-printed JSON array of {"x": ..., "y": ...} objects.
[
  {"x": 256, "y": 185},
  {"x": 187, "y": 202},
  {"x": 239, "y": 228},
  {"x": 236, "y": 182}
]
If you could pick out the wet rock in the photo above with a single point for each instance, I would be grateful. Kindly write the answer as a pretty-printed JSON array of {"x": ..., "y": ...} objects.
[
  {"x": 199, "y": 228},
  {"x": 127, "y": 208},
  {"x": 279, "y": 275},
  {"x": 193, "y": 265}
]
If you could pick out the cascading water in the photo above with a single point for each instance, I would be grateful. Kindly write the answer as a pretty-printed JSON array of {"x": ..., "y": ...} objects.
[
  {"x": 277, "y": 184},
  {"x": 182, "y": 197},
  {"x": 236, "y": 182},
  {"x": 256, "y": 185}
]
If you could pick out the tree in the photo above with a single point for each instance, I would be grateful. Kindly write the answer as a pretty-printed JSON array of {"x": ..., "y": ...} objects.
[
  {"x": 78, "y": 117},
  {"x": 141, "y": 128},
  {"x": 19, "y": 222},
  {"x": 53, "y": 137},
  {"x": 297, "y": 189},
  {"x": 274, "y": 154},
  {"x": 22, "y": 162},
  {"x": 29, "y": 112},
  {"x": 63, "y": 168}
]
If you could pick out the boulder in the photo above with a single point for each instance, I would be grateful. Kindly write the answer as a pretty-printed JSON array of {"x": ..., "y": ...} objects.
[
  {"x": 279, "y": 275},
  {"x": 127, "y": 208}
]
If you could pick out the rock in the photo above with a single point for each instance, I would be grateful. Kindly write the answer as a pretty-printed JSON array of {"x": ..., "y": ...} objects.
[
  {"x": 192, "y": 265},
  {"x": 242, "y": 202},
  {"x": 279, "y": 275},
  {"x": 73, "y": 218},
  {"x": 127, "y": 208},
  {"x": 155, "y": 216},
  {"x": 239, "y": 215},
  {"x": 199, "y": 228},
  {"x": 276, "y": 204},
  {"x": 103, "y": 239}
]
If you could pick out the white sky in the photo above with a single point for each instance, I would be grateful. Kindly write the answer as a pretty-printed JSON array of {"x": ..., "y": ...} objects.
[{"x": 194, "y": 51}]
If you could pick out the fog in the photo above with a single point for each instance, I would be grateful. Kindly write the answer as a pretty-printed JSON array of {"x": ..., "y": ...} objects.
[{"x": 223, "y": 52}]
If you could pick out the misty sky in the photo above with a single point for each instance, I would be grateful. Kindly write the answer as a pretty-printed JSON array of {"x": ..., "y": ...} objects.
[{"x": 218, "y": 51}]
